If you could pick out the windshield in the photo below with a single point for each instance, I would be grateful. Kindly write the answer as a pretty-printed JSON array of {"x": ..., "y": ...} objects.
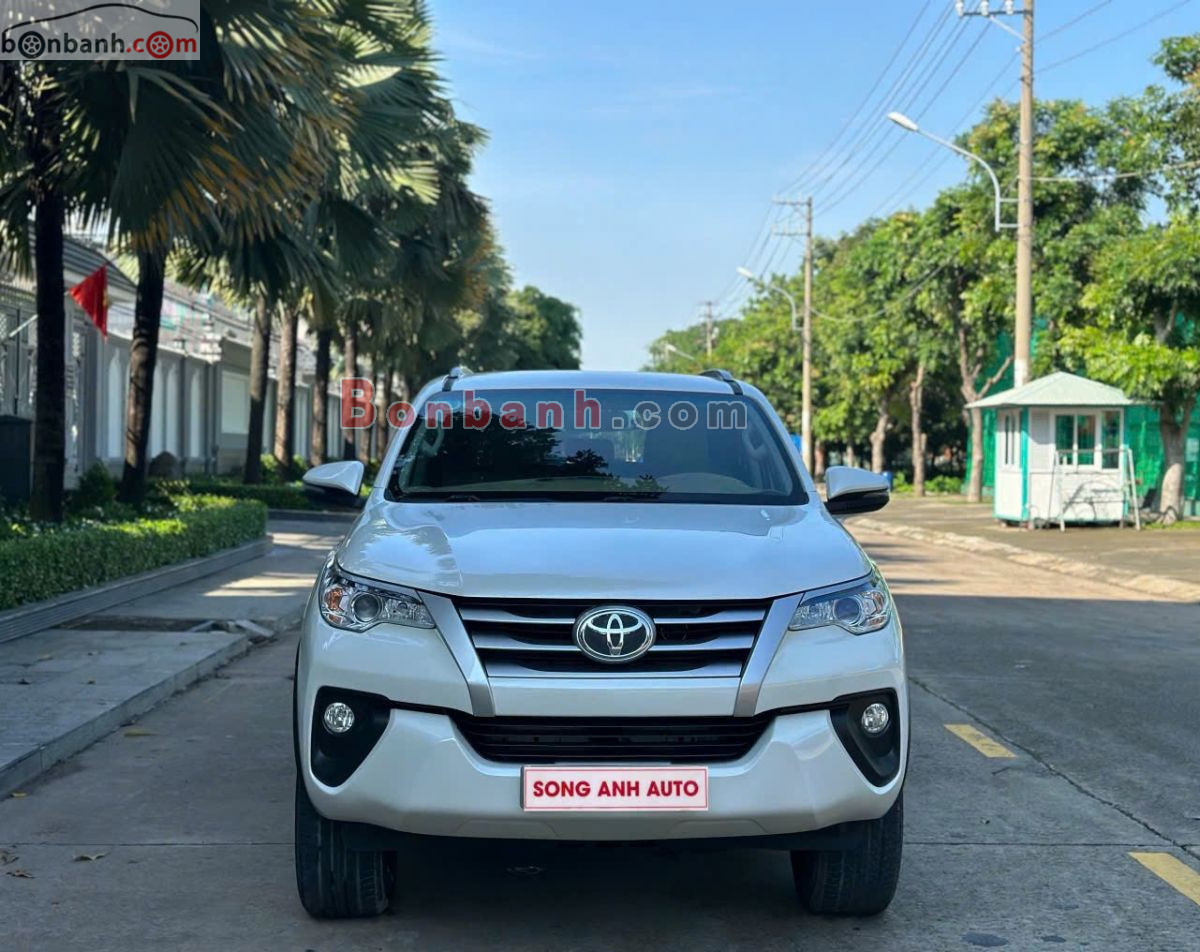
[{"x": 618, "y": 445}]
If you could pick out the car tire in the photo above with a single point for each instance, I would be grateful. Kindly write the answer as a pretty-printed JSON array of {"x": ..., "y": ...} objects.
[
  {"x": 854, "y": 882},
  {"x": 334, "y": 881}
]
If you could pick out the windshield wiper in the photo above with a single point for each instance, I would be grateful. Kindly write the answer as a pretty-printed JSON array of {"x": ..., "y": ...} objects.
[{"x": 631, "y": 497}]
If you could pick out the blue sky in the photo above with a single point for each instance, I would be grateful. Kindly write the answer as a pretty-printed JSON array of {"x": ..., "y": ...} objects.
[{"x": 636, "y": 146}]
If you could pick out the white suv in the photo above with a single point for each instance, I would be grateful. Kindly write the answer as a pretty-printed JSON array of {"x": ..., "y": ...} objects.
[{"x": 599, "y": 606}]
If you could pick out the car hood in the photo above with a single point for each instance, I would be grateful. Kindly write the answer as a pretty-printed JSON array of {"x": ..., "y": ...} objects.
[{"x": 610, "y": 550}]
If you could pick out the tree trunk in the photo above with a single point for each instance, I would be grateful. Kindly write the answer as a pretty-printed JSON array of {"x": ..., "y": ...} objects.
[
  {"x": 878, "y": 435},
  {"x": 851, "y": 456},
  {"x": 916, "y": 403},
  {"x": 975, "y": 477},
  {"x": 285, "y": 391},
  {"x": 319, "y": 440},
  {"x": 819, "y": 459},
  {"x": 143, "y": 358},
  {"x": 349, "y": 436},
  {"x": 389, "y": 397},
  {"x": 49, "y": 433},
  {"x": 1172, "y": 429},
  {"x": 367, "y": 439},
  {"x": 260, "y": 358}
]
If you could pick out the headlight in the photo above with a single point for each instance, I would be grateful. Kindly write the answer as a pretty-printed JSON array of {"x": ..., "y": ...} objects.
[
  {"x": 858, "y": 609},
  {"x": 350, "y": 604}
]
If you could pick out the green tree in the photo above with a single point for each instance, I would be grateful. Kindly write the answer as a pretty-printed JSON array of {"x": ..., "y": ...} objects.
[
  {"x": 869, "y": 327},
  {"x": 970, "y": 294},
  {"x": 545, "y": 331},
  {"x": 1145, "y": 339},
  {"x": 72, "y": 130}
]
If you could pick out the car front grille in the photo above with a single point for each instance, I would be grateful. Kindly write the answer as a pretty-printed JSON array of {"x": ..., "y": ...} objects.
[
  {"x": 676, "y": 740},
  {"x": 531, "y": 638}
]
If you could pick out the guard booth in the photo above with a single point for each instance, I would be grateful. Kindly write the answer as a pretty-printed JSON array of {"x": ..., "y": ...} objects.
[{"x": 1061, "y": 454}]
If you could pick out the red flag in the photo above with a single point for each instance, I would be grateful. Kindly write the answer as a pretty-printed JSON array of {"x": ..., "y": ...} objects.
[{"x": 91, "y": 294}]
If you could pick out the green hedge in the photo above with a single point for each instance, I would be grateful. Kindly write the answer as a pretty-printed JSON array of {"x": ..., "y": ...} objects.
[
  {"x": 67, "y": 558},
  {"x": 276, "y": 497}
]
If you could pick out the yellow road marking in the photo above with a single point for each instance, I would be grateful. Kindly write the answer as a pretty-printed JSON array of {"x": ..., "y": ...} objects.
[
  {"x": 981, "y": 742},
  {"x": 1175, "y": 873}
]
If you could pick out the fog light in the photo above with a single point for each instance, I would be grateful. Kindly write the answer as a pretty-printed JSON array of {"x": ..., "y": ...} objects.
[
  {"x": 339, "y": 718},
  {"x": 875, "y": 718}
]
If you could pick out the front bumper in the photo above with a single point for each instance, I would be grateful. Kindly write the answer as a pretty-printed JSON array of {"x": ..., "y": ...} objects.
[{"x": 423, "y": 777}]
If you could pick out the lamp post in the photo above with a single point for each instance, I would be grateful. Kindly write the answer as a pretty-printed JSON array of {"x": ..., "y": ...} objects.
[
  {"x": 1024, "y": 297},
  {"x": 1023, "y": 335},
  {"x": 910, "y": 126},
  {"x": 668, "y": 347},
  {"x": 806, "y": 373}
]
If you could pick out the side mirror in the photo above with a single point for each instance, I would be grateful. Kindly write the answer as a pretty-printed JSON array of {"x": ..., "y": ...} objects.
[
  {"x": 850, "y": 491},
  {"x": 336, "y": 483}
]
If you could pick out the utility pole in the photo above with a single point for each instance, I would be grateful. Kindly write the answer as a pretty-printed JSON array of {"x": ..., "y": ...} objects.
[
  {"x": 1022, "y": 344},
  {"x": 806, "y": 383},
  {"x": 708, "y": 327},
  {"x": 1023, "y": 332},
  {"x": 806, "y": 433}
]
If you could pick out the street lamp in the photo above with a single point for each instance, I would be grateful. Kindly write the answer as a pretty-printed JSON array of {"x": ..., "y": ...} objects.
[
  {"x": 763, "y": 286},
  {"x": 909, "y": 126},
  {"x": 806, "y": 373},
  {"x": 668, "y": 347}
]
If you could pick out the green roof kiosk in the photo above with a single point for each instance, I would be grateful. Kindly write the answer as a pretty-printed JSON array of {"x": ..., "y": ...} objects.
[{"x": 1061, "y": 454}]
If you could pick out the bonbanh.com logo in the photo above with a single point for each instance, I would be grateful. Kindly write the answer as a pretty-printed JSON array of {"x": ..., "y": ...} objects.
[{"x": 90, "y": 30}]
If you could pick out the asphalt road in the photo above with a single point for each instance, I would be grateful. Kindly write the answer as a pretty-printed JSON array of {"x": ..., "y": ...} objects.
[{"x": 177, "y": 834}]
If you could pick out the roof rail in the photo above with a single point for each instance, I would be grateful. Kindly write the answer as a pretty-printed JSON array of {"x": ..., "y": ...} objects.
[
  {"x": 456, "y": 373},
  {"x": 725, "y": 377}
]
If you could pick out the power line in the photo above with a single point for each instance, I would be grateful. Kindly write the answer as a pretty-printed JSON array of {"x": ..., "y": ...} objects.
[
  {"x": 864, "y": 137},
  {"x": 849, "y": 188},
  {"x": 931, "y": 170},
  {"x": 816, "y": 163},
  {"x": 1071, "y": 22},
  {"x": 913, "y": 289},
  {"x": 1113, "y": 176},
  {"x": 1112, "y": 39},
  {"x": 870, "y": 133},
  {"x": 881, "y": 131},
  {"x": 910, "y": 83}
]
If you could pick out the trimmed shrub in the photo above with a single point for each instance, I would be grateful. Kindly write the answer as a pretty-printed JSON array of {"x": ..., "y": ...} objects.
[
  {"x": 944, "y": 485},
  {"x": 59, "y": 559},
  {"x": 276, "y": 497},
  {"x": 97, "y": 489},
  {"x": 276, "y": 475}
]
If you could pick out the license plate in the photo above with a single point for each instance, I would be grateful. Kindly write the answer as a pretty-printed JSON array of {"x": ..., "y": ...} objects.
[{"x": 633, "y": 789}]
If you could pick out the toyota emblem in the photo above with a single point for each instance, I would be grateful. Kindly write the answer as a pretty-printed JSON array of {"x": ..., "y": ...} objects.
[{"x": 614, "y": 633}]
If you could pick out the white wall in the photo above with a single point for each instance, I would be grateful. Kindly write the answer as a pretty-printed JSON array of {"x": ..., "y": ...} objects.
[
  {"x": 196, "y": 413},
  {"x": 115, "y": 387},
  {"x": 170, "y": 421},
  {"x": 1009, "y": 475},
  {"x": 1083, "y": 493},
  {"x": 235, "y": 402}
]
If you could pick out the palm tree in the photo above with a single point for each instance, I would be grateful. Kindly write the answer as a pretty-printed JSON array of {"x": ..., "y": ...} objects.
[{"x": 267, "y": 147}]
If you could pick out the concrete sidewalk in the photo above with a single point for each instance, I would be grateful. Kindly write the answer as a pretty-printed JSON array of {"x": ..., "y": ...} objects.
[
  {"x": 1156, "y": 562},
  {"x": 64, "y": 688}
]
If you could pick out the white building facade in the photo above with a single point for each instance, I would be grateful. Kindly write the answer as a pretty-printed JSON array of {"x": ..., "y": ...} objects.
[{"x": 201, "y": 405}]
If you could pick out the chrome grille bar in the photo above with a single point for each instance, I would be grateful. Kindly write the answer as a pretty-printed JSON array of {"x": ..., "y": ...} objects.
[{"x": 528, "y": 638}]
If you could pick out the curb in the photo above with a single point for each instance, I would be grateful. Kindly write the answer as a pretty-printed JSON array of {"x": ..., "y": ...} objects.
[
  {"x": 1144, "y": 584},
  {"x": 27, "y": 619},
  {"x": 20, "y": 772}
]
